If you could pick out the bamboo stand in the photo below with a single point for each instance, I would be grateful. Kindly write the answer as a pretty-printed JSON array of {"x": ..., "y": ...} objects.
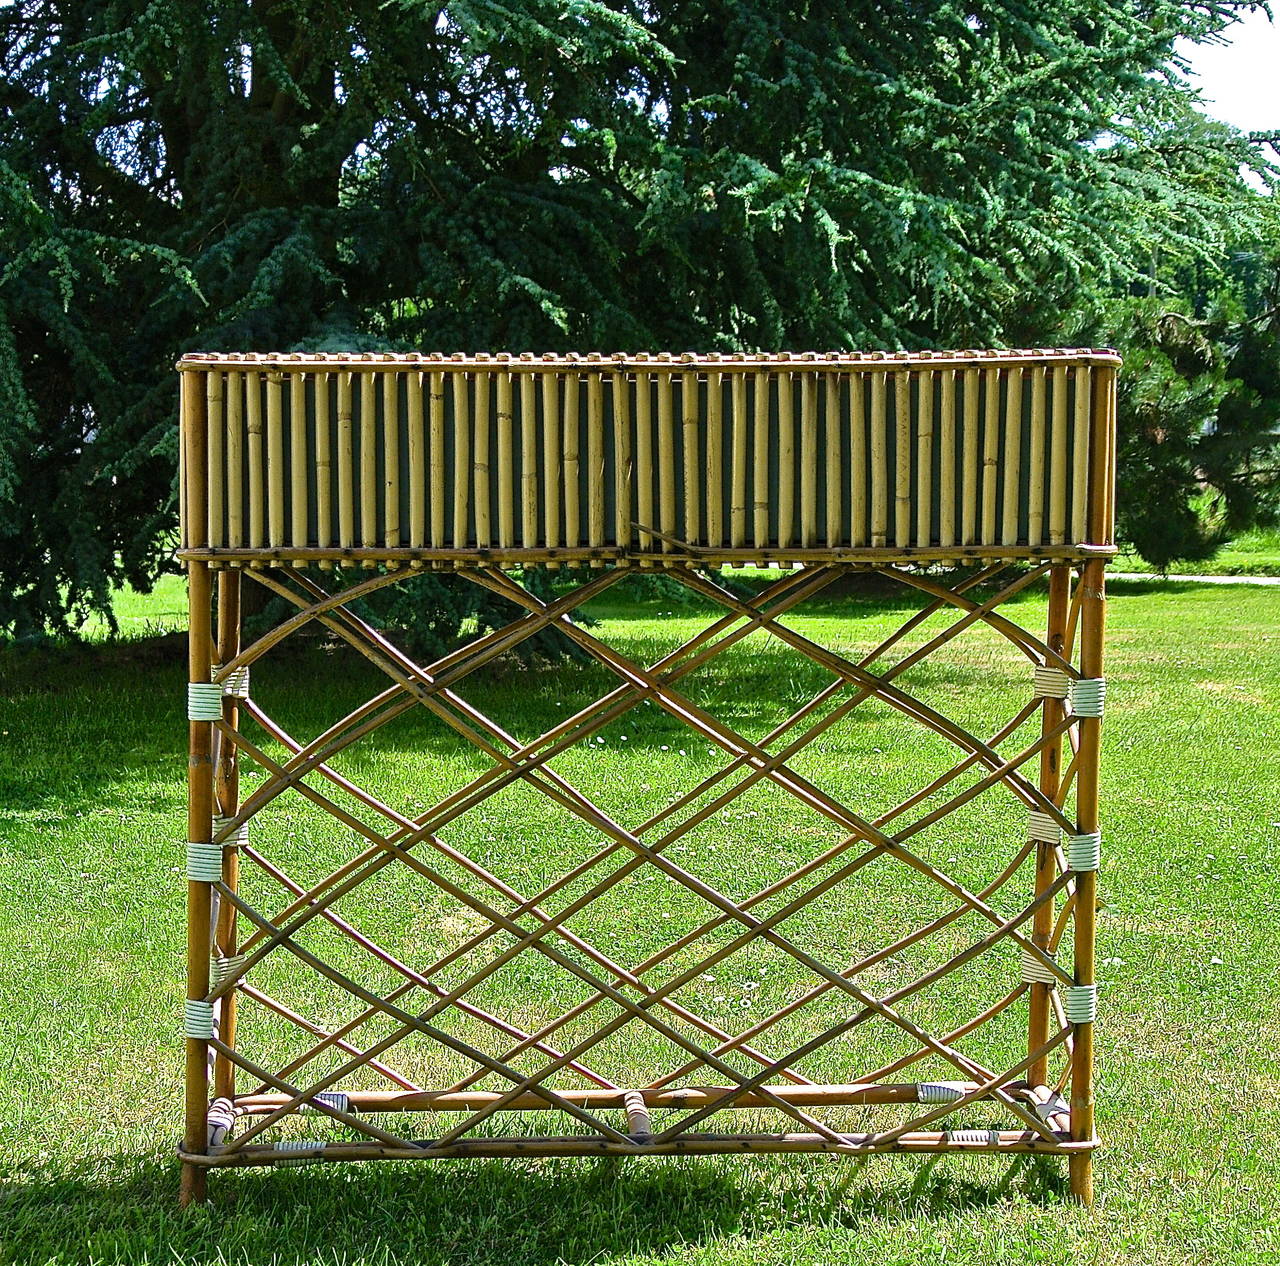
[{"x": 836, "y": 463}]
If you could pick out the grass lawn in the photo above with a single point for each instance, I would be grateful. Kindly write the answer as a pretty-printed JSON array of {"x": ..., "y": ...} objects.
[
  {"x": 92, "y": 772},
  {"x": 1253, "y": 553}
]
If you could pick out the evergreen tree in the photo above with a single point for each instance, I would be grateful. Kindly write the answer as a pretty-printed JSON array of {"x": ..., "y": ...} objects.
[{"x": 274, "y": 174}]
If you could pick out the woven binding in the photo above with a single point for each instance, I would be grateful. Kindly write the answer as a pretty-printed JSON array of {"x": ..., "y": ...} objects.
[
  {"x": 1080, "y": 1003},
  {"x": 204, "y": 862},
  {"x": 1084, "y": 852},
  {"x": 940, "y": 1091},
  {"x": 1087, "y": 695},
  {"x": 197, "y": 1019},
  {"x": 1035, "y": 971},
  {"x": 204, "y": 701},
  {"x": 235, "y": 685},
  {"x": 290, "y": 1147},
  {"x": 238, "y": 838},
  {"x": 332, "y": 1098},
  {"x": 222, "y": 1116},
  {"x": 1042, "y": 828},
  {"x": 1051, "y": 683},
  {"x": 973, "y": 1136},
  {"x": 222, "y": 969}
]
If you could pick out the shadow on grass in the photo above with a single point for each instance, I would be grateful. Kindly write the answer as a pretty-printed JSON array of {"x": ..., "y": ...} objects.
[{"x": 527, "y": 1213}]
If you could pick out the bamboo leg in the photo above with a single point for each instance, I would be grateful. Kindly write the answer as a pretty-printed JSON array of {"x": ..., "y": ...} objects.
[
  {"x": 226, "y": 790},
  {"x": 1092, "y": 624},
  {"x": 1046, "y": 862}
]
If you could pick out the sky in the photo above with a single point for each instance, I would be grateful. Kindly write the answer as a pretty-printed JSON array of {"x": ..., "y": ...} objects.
[{"x": 1240, "y": 81}]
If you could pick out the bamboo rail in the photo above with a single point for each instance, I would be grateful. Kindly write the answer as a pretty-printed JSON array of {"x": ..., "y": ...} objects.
[{"x": 299, "y": 1001}]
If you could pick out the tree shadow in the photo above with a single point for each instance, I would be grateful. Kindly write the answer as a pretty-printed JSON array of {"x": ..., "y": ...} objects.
[{"x": 508, "y": 1213}]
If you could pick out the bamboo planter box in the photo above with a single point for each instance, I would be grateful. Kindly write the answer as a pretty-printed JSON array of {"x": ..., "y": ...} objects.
[{"x": 821, "y": 463}]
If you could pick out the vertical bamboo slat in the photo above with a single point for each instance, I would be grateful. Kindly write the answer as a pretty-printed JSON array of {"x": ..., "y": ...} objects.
[
  {"x": 528, "y": 462},
  {"x": 786, "y": 459},
  {"x": 1059, "y": 473},
  {"x": 808, "y": 458},
  {"x": 738, "y": 493},
  {"x": 715, "y": 460},
  {"x": 506, "y": 464},
  {"x": 947, "y": 461},
  {"x": 480, "y": 496},
  {"x": 235, "y": 459},
  {"x": 255, "y": 440},
  {"x": 391, "y": 535},
  {"x": 971, "y": 441},
  {"x": 416, "y": 424},
  {"x": 346, "y": 462},
  {"x": 667, "y": 522},
  {"x": 324, "y": 465},
  {"x": 595, "y": 461},
  {"x": 1012, "y": 458},
  {"x": 275, "y": 460},
  {"x": 438, "y": 459},
  {"x": 552, "y": 461},
  {"x": 368, "y": 460},
  {"x": 924, "y": 461},
  {"x": 645, "y": 472},
  {"x": 879, "y": 463},
  {"x": 760, "y": 482},
  {"x": 461, "y": 458},
  {"x": 991, "y": 457},
  {"x": 623, "y": 466},
  {"x": 691, "y": 456},
  {"x": 217, "y": 460},
  {"x": 301, "y": 464},
  {"x": 1035, "y": 459},
  {"x": 858, "y": 460},
  {"x": 902, "y": 458},
  {"x": 1080, "y": 454},
  {"x": 833, "y": 457},
  {"x": 572, "y": 463}
]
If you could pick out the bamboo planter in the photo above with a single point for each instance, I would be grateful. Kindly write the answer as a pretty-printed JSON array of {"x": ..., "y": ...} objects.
[{"x": 820, "y": 463}]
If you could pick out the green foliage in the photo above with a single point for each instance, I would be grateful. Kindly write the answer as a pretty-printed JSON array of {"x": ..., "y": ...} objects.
[{"x": 529, "y": 174}]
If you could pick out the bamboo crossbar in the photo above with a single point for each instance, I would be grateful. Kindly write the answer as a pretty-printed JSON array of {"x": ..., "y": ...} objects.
[
  {"x": 600, "y": 459},
  {"x": 998, "y": 462}
]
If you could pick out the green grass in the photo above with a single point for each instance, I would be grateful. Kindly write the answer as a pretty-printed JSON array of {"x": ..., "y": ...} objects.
[
  {"x": 91, "y": 812},
  {"x": 1254, "y": 553}
]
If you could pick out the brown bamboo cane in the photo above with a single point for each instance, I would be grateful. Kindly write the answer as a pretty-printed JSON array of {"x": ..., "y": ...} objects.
[
  {"x": 1059, "y": 473},
  {"x": 595, "y": 460},
  {"x": 666, "y": 458},
  {"x": 902, "y": 458},
  {"x": 572, "y": 436},
  {"x": 275, "y": 459},
  {"x": 416, "y": 422},
  {"x": 715, "y": 459},
  {"x": 990, "y": 455},
  {"x": 391, "y": 521},
  {"x": 924, "y": 461},
  {"x": 481, "y": 497},
  {"x": 738, "y": 496},
  {"x": 506, "y": 464},
  {"x": 761, "y": 461},
  {"x": 834, "y": 460},
  {"x": 436, "y": 460},
  {"x": 970, "y": 444},
  {"x": 234, "y": 409},
  {"x": 254, "y": 439},
  {"x": 690, "y": 425},
  {"x": 623, "y": 464},
  {"x": 346, "y": 462},
  {"x": 1080, "y": 454},
  {"x": 528, "y": 461},
  {"x": 786, "y": 457},
  {"x": 460, "y": 395},
  {"x": 1046, "y": 866},
  {"x": 1036, "y": 459},
  {"x": 216, "y": 534},
  {"x": 809, "y": 445},
  {"x": 645, "y": 472},
  {"x": 324, "y": 463},
  {"x": 301, "y": 463},
  {"x": 947, "y": 461},
  {"x": 858, "y": 520},
  {"x": 1012, "y": 472},
  {"x": 199, "y": 778},
  {"x": 879, "y": 463},
  {"x": 226, "y": 794},
  {"x": 553, "y": 459},
  {"x": 368, "y": 463}
]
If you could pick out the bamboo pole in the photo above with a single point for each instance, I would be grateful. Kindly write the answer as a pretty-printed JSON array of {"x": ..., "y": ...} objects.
[
  {"x": 416, "y": 420},
  {"x": 879, "y": 463},
  {"x": 809, "y": 445},
  {"x": 235, "y": 459},
  {"x": 461, "y": 526},
  {"x": 1080, "y": 455},
  {"x": 902, "y": 458},
  {"x": 368, "y": 460},
  {"x": 715, "y": 459},
  {"x": 623, "y": 466},
  {"x": 738, "y": 494},
  {"x": 300, "y": 463},
  {"x": 257, "y": 465},
  {"x": 947, "y": 461},
  {"x": 1035, "y": 459},
  {"x": 1052, "y": 714},
  {"x": 667, "y": 521},
  {"x": 346, "y": 463},
  {"x": 970, "y": 443},
  {"x": 924, "y": 462},
  {"x": 275, "y": 459},
  {"x": 786, "y": 458},
  {"x": 991, "y": 457},
  {"x": 437, "y": 460},
  {"x": 644, "y": 460},
  {"x": 761, "y": 459},
  {"x": 216, "y": 534},
  {"x": 1059, "y": 473},
  {"x": 834, "y": 460},
  {"x": 391, "y": 533},
  {"x": 552, "y": 460},
  {"x": 572, "y": 436},
  {"x": 506, "y": 464},
  {"x": 199, "y": 777},
  {"x": 857, "y": 462},
  {"x": 226, "y": 795},
  {"x": 528, "y": 462},
  {"x": 1012, "y": 458},
  {"x": 480, "y": 495},
  {"x": 324, "y": 464},
  {"x": 691, "y": 456},
  {"x": 595, "y": 460}
]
